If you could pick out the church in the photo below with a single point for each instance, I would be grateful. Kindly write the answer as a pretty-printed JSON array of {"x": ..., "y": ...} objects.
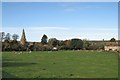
[{"x": 23, "y": 38}]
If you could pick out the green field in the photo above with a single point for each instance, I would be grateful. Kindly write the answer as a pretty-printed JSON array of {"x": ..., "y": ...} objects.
[{"x": 60, "y": 64}]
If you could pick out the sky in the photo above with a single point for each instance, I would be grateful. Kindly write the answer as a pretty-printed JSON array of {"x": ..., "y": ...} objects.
[{"x": 61, "y": 20}]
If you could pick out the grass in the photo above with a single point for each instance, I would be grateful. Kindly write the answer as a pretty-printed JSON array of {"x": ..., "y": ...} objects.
[{"x": 60, "y": 64}]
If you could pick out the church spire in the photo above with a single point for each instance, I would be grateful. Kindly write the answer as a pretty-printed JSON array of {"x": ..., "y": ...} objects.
[{"x": 23, "y": 38}]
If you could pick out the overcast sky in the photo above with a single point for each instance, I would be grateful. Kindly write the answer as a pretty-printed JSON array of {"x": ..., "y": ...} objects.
[{"x": 61, "y": 20}]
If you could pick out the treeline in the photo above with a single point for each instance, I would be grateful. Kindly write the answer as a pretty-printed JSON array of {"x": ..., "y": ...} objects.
[{"x": 12, "y": 44}]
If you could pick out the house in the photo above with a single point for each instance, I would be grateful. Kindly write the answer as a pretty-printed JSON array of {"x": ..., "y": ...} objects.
[{"x": 112, "y": 46}]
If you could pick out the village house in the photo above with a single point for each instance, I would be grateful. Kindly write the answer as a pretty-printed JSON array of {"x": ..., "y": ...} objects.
[{"x": 112, "y": 46}]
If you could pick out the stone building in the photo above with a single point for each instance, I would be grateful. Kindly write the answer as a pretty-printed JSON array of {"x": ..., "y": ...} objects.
[{"x": 112, "y": 46}]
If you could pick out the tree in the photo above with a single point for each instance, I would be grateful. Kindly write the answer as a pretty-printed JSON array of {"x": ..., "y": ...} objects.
[
  {"x": 15, "y": 46},
  {"x": 7, "y": 37},
  {"x": 112, "y": 40},
  {"x": 53, "y": 42},
  {"x": 76, "y": 44},
  {"x": 44, "y": 39},
  {"x": 67, "y": 44},
  {"x": 15, "y": 37},
  {"x": 6, "y": 45},
  {"x": 24, "y": 47},
  {"x": 61, "y": 44},
  {"x": 2, "y": 35},
  {"x": 86, "y": 44}
]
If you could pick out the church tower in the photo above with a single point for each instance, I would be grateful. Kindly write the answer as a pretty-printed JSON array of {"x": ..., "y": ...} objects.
[{"x": 23, "y": 38}]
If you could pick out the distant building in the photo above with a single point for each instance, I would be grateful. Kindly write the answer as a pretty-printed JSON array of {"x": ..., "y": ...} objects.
[
  {"x": 112, "y": 46},
  {"x": 108, "y": 46},
  {"x": 23, "y": 38}
]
